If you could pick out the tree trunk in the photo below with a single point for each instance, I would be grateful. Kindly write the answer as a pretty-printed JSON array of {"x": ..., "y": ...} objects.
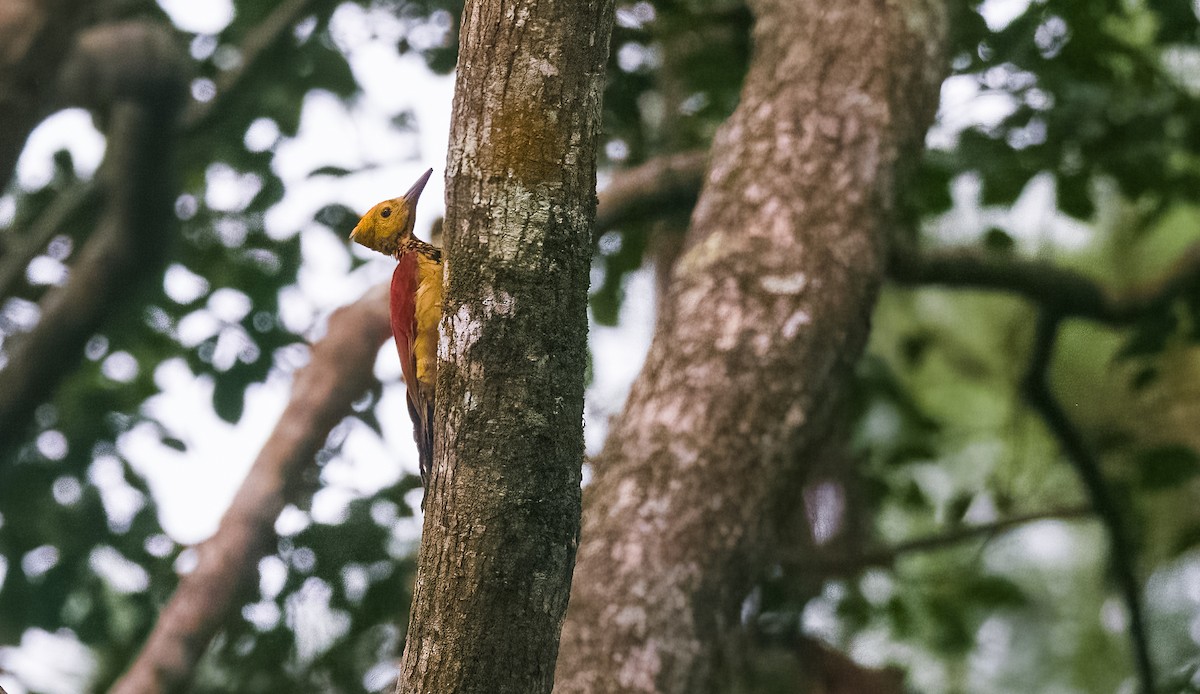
[
  {"x": 767, "y": 313},
  {"x": 502, "y": 512}
]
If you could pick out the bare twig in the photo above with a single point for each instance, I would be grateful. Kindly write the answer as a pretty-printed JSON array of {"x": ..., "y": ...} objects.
[
  {"x": 1064, "y": 292},
  {"x": 1121, "y": 550},
  {"x": 667, "y": 183},
  {"x": 257, "y": 43},
  {"x": 339, "y": 372},
  {"x": 887, "y": 556},
  {"x": 26, "y": 248}
]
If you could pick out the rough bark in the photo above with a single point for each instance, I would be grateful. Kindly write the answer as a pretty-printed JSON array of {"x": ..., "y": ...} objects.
[
  {"x": 768, "y": 311},
  {"x": 338, "y": 373},
  {"x": 502, "y": 512},
  {"x": 132, "y": 234}
]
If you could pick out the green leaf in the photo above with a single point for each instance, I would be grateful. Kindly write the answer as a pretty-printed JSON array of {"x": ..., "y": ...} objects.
[
  {"x": 228, "y": 399},
  {"x": 336, "y": 217},
  {"x": 174, "y": 443},
  {"x": 1167, "y": 466},
  {"x": 330, "y": 171},
  {"x": 998, "y": 240},
  {"x": 996, "y": 592},
  {"x": 1075, "y": 196}
]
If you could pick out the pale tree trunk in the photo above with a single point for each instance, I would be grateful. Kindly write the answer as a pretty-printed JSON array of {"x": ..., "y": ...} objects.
[
  {"x": 502, "y": 512},
  {"x": 766, "y": 314}
]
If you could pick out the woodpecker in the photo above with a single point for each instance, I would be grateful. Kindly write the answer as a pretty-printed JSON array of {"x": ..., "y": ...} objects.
[{"x": 416, "y": 305}]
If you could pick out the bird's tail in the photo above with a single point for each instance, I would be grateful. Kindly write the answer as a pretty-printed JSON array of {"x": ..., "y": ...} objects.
[{"x": 423, "y": 435}]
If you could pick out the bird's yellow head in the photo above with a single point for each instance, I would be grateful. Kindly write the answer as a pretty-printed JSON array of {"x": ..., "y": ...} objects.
[{"x": 390, "y": 222}]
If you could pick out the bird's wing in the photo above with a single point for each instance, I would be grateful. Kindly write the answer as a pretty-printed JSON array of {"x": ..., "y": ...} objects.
[
  {"x": 404, "y": 316},
  {"x": 404, "y": 329}
]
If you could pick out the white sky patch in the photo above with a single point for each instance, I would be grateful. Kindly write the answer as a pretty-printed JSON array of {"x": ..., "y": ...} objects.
[
  {"x": 228, "y": 190},
  {"x": 617, "y": 356},
  {"x": 122, "y": 575},
  {"x": 316, "y": 625},
  {"x": 367, "y": 464},
  {"x": 196, "y": 327},
  {"x": 791, "y": 327},
  {"x": 51, "y": 663},
  {"x": 1000, "y": 13},
  {"x": 71, "y": 129},
  {"x": 199, "y": 17},
  {"x": 1049, "y": 542},
  {"x": 193, "y": 488},
  {"x": 183, "y": 285},
  {"x": 963, "y": 104},
  {"x": 331, "y": 503},
  {"x": 229, "y": 305},
  {"x": 1033, "y": 219},
  {"x": 46, "y": 270}
]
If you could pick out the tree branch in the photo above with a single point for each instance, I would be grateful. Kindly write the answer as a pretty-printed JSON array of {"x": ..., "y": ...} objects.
[
  {"x": 1061, "y": 291},
  {"x": 665, "y": 183},
  {"x": 1121, "y": 551},
  {"x": 886, "y": 556},
  {"x": 339, "y": 372},
  {"x": 26, "y": 247},
  {"x": 258, "y": 41},
  {"x": 131, "y": 236},
  {"x": 767, "y": 312},
  {"x": 672, "y": 182}
]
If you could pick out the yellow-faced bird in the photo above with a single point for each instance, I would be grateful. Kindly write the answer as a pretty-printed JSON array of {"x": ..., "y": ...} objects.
[{"x": 416, "y": 305}]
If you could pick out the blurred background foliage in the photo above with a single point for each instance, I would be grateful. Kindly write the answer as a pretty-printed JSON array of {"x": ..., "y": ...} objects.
[{"x": 1069, "y": 133}]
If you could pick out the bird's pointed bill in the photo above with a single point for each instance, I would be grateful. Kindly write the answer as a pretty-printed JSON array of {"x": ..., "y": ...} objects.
[{"x": 415, "y": 192}]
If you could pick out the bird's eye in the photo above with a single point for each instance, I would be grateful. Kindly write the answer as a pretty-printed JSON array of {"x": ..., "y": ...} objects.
[{"x": 387, "y": 212}]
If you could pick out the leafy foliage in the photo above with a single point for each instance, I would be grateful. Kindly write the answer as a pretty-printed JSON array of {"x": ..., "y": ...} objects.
[
  {"x": 1096, "y": 98},
  {"x": 80, "y": 536}
]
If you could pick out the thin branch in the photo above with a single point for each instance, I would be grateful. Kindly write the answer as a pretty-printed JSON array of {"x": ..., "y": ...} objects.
[
  {"x": 1061, "y": 291},
  {"x": 886, "y": 556},
  {"x": 672, "y": 182},
  {"x": 26, "y": 247},
  {"x": 1121, "y": 550},
  {"x": 338, "y": 373},
  {"x": 667, "y": 183},
  {"x": 128, "y": 245},
  {"x": 258, "y": 42}
]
